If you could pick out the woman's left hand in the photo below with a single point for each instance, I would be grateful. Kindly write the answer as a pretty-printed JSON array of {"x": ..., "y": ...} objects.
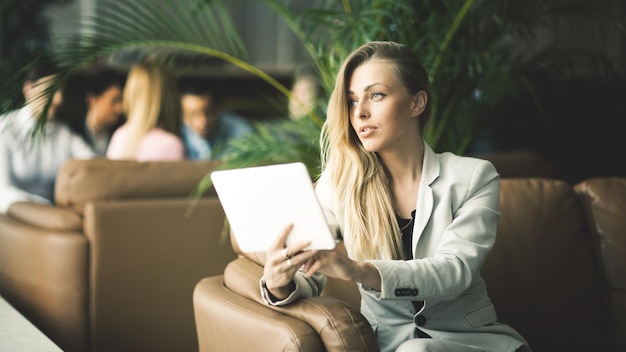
[
  {"x": 335, "y": 264},
  {"x": 331, "y": 263}
]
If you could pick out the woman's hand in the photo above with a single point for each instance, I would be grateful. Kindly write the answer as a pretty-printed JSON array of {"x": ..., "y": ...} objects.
[
  {"x": 331, "y": 263},
  {"x": 334, "y": 263},
  {"x": 283, "y": 262}
]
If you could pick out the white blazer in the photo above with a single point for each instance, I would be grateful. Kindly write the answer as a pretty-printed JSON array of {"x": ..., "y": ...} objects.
[{"x": 454, "y": 230}]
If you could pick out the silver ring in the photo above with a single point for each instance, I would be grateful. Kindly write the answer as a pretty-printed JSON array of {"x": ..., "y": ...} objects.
[
  {"x": 286, "y": 254},
  {"x": 289, "y": 263}
]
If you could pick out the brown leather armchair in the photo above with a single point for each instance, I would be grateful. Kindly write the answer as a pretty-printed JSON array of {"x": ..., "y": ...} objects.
[
  {"x": 552, "y": 275},
  {"x": 112, "y": 265},
  {"x": 230, "y": 316}
]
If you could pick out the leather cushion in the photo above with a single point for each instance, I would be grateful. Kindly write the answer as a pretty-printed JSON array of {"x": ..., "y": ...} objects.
[{"x": 541, "y": 273}]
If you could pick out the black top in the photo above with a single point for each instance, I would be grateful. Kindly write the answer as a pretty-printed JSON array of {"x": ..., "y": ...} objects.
[{"x": 406, "y": 227}]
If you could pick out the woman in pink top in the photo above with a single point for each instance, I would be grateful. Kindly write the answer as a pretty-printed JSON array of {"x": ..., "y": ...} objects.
[{"x": 152, "y": 107}]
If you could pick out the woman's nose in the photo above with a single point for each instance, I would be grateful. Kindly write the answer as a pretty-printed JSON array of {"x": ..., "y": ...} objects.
[{"x": 361, "y": 110}]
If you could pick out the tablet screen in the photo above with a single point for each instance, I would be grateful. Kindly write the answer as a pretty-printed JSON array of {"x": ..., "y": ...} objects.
[{"x": 260, "y": 201}]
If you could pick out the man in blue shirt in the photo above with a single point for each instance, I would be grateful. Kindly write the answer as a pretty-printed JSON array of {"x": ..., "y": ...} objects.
[{"x": 207, "y": 127}]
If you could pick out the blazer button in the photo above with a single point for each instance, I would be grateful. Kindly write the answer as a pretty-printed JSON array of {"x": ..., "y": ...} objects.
[
  {"x": 402, "y": 292},
  {"x": 420, "y": 320}
]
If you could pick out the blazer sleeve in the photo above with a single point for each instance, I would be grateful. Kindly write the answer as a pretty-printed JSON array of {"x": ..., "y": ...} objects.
[{"x": 305, "y": 287}]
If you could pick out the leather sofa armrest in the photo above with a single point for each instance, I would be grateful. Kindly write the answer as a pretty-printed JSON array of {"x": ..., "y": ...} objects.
[
  {"x": 226, "y": 321},
  {"x": 45, "y": 216},
  {"x": 339, "y": 325},
  {"x": 44, "y": 275},
  {"x": 604, "y": 200}
]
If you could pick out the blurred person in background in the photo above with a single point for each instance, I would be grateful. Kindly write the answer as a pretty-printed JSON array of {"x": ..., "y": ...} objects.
[
  {"x": 208, "y": 127},
  {"x": 306, "y": 92},
  {"x": 153, "y": 117},
  {"x": 93, "y": 105},
  {"x": 29, "y": 163}
]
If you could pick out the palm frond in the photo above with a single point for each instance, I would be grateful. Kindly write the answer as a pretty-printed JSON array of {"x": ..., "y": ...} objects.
[
  {"x": 471, "y": 48},
  {"x": 275, "y": 142}
]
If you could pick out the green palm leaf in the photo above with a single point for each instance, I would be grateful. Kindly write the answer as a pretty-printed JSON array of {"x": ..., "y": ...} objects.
[{"x": 465, "y": 45}]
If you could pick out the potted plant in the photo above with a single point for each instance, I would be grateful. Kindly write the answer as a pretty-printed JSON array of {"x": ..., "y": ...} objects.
[{"x": 468, "y": 47}]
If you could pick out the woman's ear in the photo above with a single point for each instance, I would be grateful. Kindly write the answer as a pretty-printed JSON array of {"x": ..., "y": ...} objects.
[{"x": 419, "y": 103}]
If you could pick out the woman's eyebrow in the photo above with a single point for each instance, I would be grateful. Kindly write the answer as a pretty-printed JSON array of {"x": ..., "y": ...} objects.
[{"x": 368, "y": 87}]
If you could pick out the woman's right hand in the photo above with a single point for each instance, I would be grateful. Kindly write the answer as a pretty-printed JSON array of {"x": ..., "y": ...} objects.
[{"x": 282, "y": 263}]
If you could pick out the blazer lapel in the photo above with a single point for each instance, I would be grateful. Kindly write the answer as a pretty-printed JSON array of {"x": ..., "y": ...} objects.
[{"x": 424, "y": 206}]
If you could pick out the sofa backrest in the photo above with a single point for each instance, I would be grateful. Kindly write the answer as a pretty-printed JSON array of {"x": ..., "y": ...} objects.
[
  {"x": 541, "y": 273},
  {"x": 519, "y": 163},
  {"x": 82, "y": 181},
  {"x": 547, "y": 267}
]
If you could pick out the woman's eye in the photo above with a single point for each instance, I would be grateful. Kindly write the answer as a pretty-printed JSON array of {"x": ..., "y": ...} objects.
[
  {"x": 377, "y": 96},
  {"x": 351, "y": 103}
]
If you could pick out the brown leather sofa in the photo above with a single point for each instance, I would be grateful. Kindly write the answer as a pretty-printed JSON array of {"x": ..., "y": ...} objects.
[
  {"x": 556, "y": 274},
  {"x": 112, "y": 266}
]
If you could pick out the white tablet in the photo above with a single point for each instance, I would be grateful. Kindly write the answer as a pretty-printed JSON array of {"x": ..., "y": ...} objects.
[{"x": 260, "y": 201}]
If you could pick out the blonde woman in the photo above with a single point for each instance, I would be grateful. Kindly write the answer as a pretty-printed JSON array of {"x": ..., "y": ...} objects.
[
  {"x": 152, "y": 108},
  {"x": 416, "y": 225}
]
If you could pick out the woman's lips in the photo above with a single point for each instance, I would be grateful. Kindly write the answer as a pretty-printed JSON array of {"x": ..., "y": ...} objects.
[{"x": 366, "y": 131}]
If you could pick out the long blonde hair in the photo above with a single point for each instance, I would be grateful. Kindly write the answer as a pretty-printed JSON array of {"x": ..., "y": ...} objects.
[
  {"x": 359, "y": 178},
  {"x": 150, "y": 100}
]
